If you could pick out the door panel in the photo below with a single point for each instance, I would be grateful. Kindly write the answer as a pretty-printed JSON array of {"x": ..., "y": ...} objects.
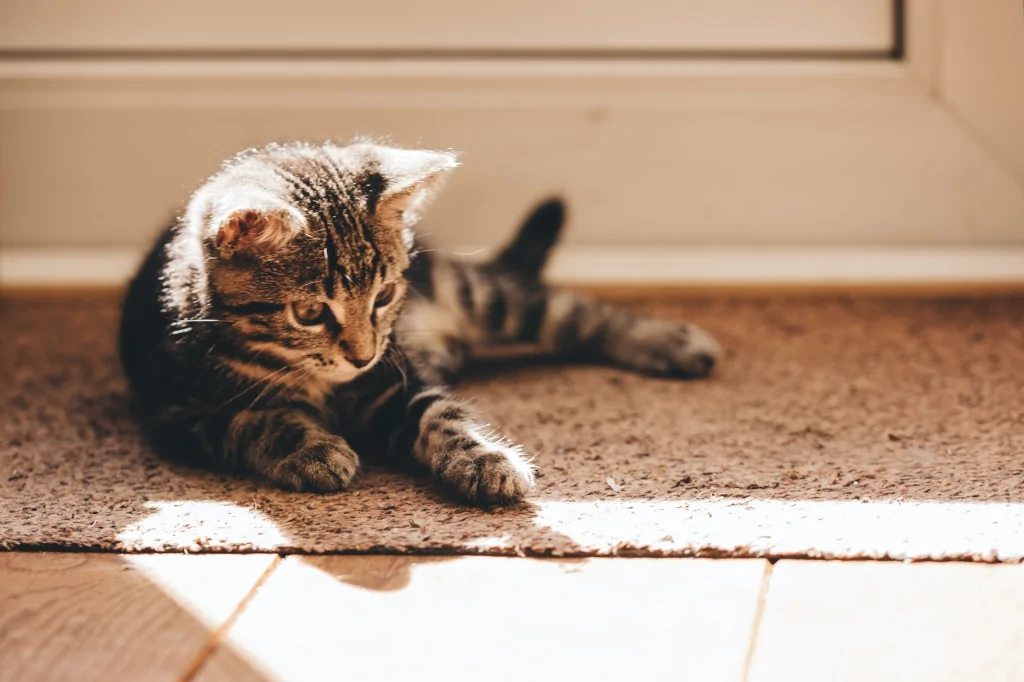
[
  {"x": 548, "y": 25},
  {"x": 674, "y": 157}
]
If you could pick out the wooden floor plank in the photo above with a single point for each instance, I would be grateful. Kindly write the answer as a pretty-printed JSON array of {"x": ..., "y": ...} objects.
[
  {"x": 458, "y": 618},
  {"x": 890, "y": 621},
  {"x": 105, "y": 617}
]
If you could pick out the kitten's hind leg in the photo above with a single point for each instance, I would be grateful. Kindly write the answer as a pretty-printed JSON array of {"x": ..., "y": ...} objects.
[
  {"x": 576, "y": 326},
  {"x": 290, "y": 448},
  {"x": 571, "y": 326},
  {"x": 517, "y": 306}
]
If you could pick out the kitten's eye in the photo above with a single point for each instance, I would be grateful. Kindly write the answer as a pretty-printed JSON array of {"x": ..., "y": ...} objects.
[
  {"x": 309, "y": 314},
  {"x": 385, "y": 295}
]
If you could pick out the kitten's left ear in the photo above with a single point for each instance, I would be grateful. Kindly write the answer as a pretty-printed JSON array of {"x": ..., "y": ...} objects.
[
  {"x": 409, "y": 181},
  {"x": 253, "y": 231}
]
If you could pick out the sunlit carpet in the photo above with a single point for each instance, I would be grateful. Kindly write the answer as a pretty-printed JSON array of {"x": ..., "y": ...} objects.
[{"x": 836, "y": 428}]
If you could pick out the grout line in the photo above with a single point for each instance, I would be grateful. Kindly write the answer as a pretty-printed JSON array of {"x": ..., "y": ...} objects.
[
  {"x": 758, "y": 613},
  {"x": 216, "y": 639}
]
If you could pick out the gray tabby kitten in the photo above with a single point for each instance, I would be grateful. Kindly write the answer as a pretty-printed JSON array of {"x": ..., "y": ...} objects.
[{"x": 288, "y": 322}]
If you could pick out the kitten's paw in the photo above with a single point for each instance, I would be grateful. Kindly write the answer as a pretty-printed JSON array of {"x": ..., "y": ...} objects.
[
  {"x": 670, "y": 349},
  {"x": 484, "y": 472},
  {"x": 323, "y": 467}
]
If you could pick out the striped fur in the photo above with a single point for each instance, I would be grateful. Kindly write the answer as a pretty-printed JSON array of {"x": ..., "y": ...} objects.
[{"x": 289, "y": 321}]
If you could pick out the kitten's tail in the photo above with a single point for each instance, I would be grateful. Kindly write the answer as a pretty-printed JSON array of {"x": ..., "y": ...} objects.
[{"x": 528, "y": 251}]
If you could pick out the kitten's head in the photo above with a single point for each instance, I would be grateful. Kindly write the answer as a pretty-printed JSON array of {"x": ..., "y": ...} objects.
[{"x": 306, "y": 248}]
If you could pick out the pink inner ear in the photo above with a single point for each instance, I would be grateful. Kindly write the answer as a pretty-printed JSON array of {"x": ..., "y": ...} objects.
[{"x": 243, "y": 229}]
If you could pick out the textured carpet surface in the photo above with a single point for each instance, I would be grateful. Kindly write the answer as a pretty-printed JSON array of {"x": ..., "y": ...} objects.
[{"x": 836, "y": 428}]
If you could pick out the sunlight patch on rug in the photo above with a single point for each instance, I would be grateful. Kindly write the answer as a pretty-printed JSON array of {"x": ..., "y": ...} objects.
[
  {"x": 781, "y": 528},
  {"x": 194, "y": 526}
]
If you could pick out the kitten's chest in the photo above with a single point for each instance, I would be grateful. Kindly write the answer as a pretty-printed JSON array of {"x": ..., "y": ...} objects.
[
  {"x": 352, "y": 406},
  {"x": 344, "y": 408}
]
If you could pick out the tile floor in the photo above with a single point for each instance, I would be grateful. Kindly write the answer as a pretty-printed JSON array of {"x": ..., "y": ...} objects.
[{"x": 80, "y": 616}]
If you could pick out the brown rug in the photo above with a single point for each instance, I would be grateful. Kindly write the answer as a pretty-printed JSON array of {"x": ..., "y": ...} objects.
[{"x": 834, "y": 428}]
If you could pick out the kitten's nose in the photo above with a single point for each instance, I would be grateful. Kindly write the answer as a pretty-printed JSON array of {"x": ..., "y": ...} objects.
[
  {"x": 359, "y": 346},
  {"x": 358, "y": 361}
]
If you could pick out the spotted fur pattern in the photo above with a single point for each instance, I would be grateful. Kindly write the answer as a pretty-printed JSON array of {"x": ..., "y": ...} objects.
[{"x": 290, "y": 322}]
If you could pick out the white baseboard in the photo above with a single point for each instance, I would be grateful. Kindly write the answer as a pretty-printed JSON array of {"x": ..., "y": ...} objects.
[
  {"x": 77, "y": 266},
  {"x": 678, "y": 265},
  {"x": 612, "y": 266}
]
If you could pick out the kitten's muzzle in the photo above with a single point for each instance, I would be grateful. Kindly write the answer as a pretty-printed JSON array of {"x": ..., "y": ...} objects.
[
  {"x": 361, "y": 351},
  {"x": 359, "y": 361}
]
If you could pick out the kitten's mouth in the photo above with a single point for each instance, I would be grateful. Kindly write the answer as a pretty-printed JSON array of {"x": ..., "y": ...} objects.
[
  {"x": 338, "y": 370},
  {"x": 340, "y": 374},
  {"x": 343, "y": 372}
]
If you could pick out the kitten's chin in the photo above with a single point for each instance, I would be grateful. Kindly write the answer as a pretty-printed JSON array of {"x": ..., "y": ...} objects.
[{"x": 343, "y": 375}]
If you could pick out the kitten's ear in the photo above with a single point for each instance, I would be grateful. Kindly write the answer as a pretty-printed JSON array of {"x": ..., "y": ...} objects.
[
  {"x": 411, "y": 179},
  {"x": 253, "y": 231}
]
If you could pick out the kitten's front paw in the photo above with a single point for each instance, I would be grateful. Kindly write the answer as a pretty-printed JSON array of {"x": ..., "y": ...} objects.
[
  {"x": 671, "y": 349},
  {"x": 323, "y": 467},
  {"x": 483, "y": 472}
]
